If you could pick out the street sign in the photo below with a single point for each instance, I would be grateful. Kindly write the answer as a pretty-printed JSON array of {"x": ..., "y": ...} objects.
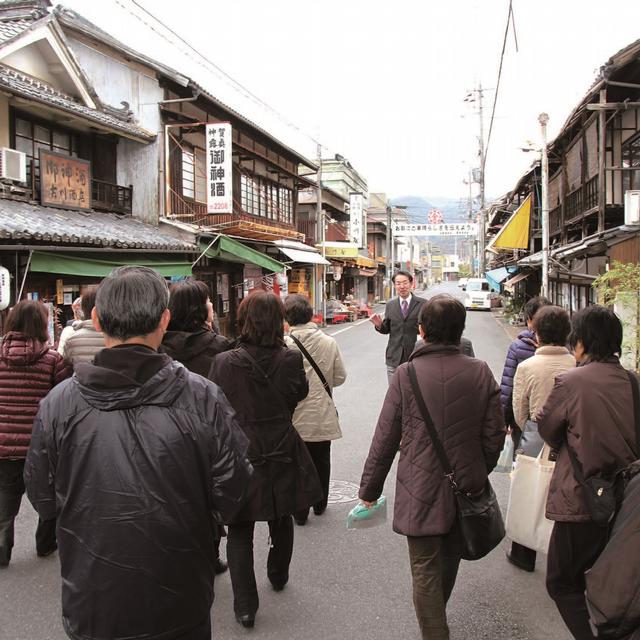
[{"x": 444, "y": 229}]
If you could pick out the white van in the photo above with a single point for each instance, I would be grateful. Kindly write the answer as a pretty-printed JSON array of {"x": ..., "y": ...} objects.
[{"x": 478, "y": 294}]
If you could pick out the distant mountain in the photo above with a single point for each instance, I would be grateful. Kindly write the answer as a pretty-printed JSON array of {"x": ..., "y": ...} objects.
[{"x": 418, "y": 208}]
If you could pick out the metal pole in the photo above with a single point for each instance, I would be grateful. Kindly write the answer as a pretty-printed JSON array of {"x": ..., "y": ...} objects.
[
  {"x": 543, "y": 118},
  {"x": 481, "y": 225},
  {"x": 319, "y": 232},
  {"x": 389, "y": 251}
]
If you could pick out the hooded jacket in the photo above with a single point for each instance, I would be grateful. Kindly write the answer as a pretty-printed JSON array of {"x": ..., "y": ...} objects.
[
  {"x": 523, "y": 347},
  {"x": 315, "y": 418},
  {"x": 194, "y": 350},
  {"x": 462, "y": 397},
  {"x": 135, "y": 455},
  {"x": 83, "y": 344},
  {"x": 29, "y": 369}
]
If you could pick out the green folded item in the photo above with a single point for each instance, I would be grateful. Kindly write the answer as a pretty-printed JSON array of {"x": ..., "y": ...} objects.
[{"x": 362, "y": 517}]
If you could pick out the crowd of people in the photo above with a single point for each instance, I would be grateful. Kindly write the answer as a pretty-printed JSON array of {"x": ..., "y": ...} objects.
[{"x": 147, "y": 437}]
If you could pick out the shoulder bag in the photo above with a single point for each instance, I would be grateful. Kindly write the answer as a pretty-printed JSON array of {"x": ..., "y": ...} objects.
[
  {"x": 479, "y": 516},
  {"x": 313, "y": 363},
  {"x": 602, "y": 494}
]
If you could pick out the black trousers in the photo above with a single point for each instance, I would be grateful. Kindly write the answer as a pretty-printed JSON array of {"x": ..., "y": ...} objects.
[
  {"x": 240, "y": 560},
  {"x": 434, "y": 569},
  {"x": 320, "y": 453},
  {"x": 574, "y": 547},
  {"x": 11, "y": 491}
]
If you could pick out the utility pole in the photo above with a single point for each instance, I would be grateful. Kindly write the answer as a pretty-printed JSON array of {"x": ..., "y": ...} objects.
[
  {"x": 481, "y": 224},
  {"x": 318, "y": 287},
  {"x": 543, "y": 119},
  {"x": 389, "y": 249}
]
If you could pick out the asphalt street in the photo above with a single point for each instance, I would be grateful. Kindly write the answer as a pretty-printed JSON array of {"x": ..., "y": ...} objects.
[{"x": 351, "y": 585}]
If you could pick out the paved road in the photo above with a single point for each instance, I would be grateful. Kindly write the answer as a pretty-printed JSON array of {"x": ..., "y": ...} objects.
[{"x": 351, "y": 585}]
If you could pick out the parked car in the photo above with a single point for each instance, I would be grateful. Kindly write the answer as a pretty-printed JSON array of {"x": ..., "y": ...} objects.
[
  {"x": 479, "y": 294},
  {"x": 462, "y": 283}
]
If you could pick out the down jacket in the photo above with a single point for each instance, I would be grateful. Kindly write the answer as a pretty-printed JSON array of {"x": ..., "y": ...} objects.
[
  {"x": 29, "y": 369},
  {"x": 264, "y": 397},
  {"x": 195, "y": 350},
  {"x": 523, "y": 347},
  {"x": 463, "y": 400},
  {"x": 315, "y": 418},
  {"x": 590, "y": 408},
  {"x": 83, "y": 344},
  {"x": 136, "y": 455}
]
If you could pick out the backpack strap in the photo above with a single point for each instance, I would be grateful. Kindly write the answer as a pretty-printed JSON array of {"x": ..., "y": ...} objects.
[{"x": 313, "y": 363}]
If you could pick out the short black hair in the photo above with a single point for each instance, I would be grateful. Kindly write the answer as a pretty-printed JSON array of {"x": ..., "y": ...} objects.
[
  {"x": 599, "y": 330},
  {"x": 531, "y": 307},
  {"x": 442, "y": 319},
  {"x": 297, "y": 309},
  {"x": 402, "y": 273},
  {"x": 130, "y": 302},
  {"x": 188, "y": 305},
  {"x": 552, "y": 325},
  {"x": 88, "y": 301}
]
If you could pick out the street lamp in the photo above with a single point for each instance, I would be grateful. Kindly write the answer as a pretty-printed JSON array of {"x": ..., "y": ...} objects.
[{"x": 543, "y": 119}]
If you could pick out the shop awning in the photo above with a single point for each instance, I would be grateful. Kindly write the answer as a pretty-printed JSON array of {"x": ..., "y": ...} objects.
[
  {"x": 99, "y": 265},
  {"x": 230, "y": 250},
  {"x": 515, "y": 232},
  {"x": 511, "y": 282},
  {"x": 300, "y": 252},
  {"x": 496, "y": 276}
]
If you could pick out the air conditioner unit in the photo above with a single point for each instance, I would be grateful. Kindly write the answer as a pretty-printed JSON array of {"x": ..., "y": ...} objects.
[
  {"x": 632, "y": 207},
  {"x": 13, "y": 165}
]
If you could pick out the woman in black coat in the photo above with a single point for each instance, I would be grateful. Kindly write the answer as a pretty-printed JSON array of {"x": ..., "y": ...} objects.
[
  {"x": 264, "y": 381},
  {"x": 191, "y": 340}
]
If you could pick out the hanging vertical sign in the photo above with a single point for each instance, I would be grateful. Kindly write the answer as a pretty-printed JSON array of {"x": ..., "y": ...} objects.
[
  {"x": 219, "y": 168},
  {"x": 356, "y": 231}
]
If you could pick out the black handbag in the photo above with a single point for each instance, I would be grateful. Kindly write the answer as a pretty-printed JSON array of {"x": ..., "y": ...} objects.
[
  {"x": 479, "y": 516},
  {"x": 602, "y": 494},
  {"x": 531, "y": 442}
]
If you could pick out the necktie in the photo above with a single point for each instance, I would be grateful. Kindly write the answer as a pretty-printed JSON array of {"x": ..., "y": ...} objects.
[{"x": 405, "y": 308}]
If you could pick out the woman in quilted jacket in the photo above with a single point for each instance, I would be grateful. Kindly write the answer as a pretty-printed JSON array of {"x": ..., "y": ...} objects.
[{"x": 29, "y": 369}]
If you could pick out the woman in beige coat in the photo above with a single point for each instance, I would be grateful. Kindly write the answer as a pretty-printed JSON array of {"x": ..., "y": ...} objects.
[
  {"x": 315, "y": 418},
  {"x": 532, "y": 384}
]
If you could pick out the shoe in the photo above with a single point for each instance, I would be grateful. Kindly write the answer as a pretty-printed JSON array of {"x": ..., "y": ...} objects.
[
  {"x": 247, "y": 620},
  {"x": 301, "y": 521},
  {"x": 277, "y": 586},
  {"x": 220, "y": 566},
  {"x": 521, "y": 565},
  {"x": 319, "y": 510},
  {"x": 47, "y": 552}
]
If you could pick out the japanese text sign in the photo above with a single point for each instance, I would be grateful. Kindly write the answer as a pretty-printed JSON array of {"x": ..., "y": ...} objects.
[
  {"x": 452, "y": 229},
  {"x": 219, "y": 168},
  {"x": 65, "y": 182},
  {"x": 356, "y": 224}
]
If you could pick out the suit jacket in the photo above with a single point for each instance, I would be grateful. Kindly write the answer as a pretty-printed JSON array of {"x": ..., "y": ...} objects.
[{"x": 402, "y": 331}]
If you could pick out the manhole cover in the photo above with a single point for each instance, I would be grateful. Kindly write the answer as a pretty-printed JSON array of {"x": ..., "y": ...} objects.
[{"x": 342, "y": 491}]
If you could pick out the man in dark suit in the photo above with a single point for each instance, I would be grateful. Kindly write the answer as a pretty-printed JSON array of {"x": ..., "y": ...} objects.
[{"x": 400, "y": 322}]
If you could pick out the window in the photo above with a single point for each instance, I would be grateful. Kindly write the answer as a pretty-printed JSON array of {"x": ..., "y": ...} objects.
[
  {"x": 31, "y": 136},
  {"x": 188, "y": 174},
  {"x": 194, "y": 171},
  {"x": 631, "y": 158},
  {"x": 266, "y": 199}
]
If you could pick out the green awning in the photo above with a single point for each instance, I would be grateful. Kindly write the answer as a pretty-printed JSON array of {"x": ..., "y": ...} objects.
[
  {"x": 100, "y": 265},
  {"x": 230, "y": 250}
]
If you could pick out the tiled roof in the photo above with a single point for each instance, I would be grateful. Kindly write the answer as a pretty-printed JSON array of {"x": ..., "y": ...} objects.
[
  {"x": 26, "y": 223},
  {"x": 27, "y": 86},
  {"x": 11, "y": 28}
]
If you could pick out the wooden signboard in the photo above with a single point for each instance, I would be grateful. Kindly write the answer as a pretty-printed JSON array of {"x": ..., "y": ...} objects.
[{"x": 65, "y": 182}]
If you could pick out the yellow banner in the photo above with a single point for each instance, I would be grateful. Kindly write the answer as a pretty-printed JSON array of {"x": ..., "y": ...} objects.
[{"x": 515, "y": 233}]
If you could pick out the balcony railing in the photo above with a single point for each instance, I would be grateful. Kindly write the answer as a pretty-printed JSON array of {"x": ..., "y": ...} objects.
[
  {"x": 111, "y": 197},
  {"x": 583, "y": 199},
  {"x": 554, "y": 220}
]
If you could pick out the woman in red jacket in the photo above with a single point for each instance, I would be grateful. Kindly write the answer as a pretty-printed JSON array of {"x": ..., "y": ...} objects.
[{"x": 29, "y": 369}]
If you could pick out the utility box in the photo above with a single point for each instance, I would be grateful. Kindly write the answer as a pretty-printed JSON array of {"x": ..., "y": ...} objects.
[{"x": 632, "y": 207}]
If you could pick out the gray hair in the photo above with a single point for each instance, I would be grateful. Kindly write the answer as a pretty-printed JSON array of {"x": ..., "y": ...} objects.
[{"x": 130, "y": 302}]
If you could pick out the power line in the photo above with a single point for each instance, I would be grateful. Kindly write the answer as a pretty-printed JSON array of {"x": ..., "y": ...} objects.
[
  {"x": 204, "y": 62},
  {"x": 510, "y": 18}
]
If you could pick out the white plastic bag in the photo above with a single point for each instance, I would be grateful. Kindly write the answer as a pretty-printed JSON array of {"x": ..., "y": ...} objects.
[
  {"x": 505, "y": 461},
  {"x": 526, "y": 522}
]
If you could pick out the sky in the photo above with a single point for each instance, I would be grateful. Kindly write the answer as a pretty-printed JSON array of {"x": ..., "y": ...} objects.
[{"x": 384, "y": 83}]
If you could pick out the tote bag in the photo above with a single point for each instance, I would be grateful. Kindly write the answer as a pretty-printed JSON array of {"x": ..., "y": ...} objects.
[{"x": 526, "y": 521}]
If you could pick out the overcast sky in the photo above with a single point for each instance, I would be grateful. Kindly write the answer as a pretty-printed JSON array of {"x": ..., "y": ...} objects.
[{"x": 383, "y": 83}]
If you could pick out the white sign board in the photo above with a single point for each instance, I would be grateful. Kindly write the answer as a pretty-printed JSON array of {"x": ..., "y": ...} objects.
[
  {"x": 5, "y": 288},
  {"x": 444, "y": 229},
  {"x": 219, "y": 168},
  {"x": 356, "y": 224}
]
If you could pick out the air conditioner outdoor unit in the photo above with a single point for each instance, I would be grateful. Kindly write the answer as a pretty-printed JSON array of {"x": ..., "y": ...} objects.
[
  {"x": 13, "y": 165},
  {"x": 632, "y": 207}
]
